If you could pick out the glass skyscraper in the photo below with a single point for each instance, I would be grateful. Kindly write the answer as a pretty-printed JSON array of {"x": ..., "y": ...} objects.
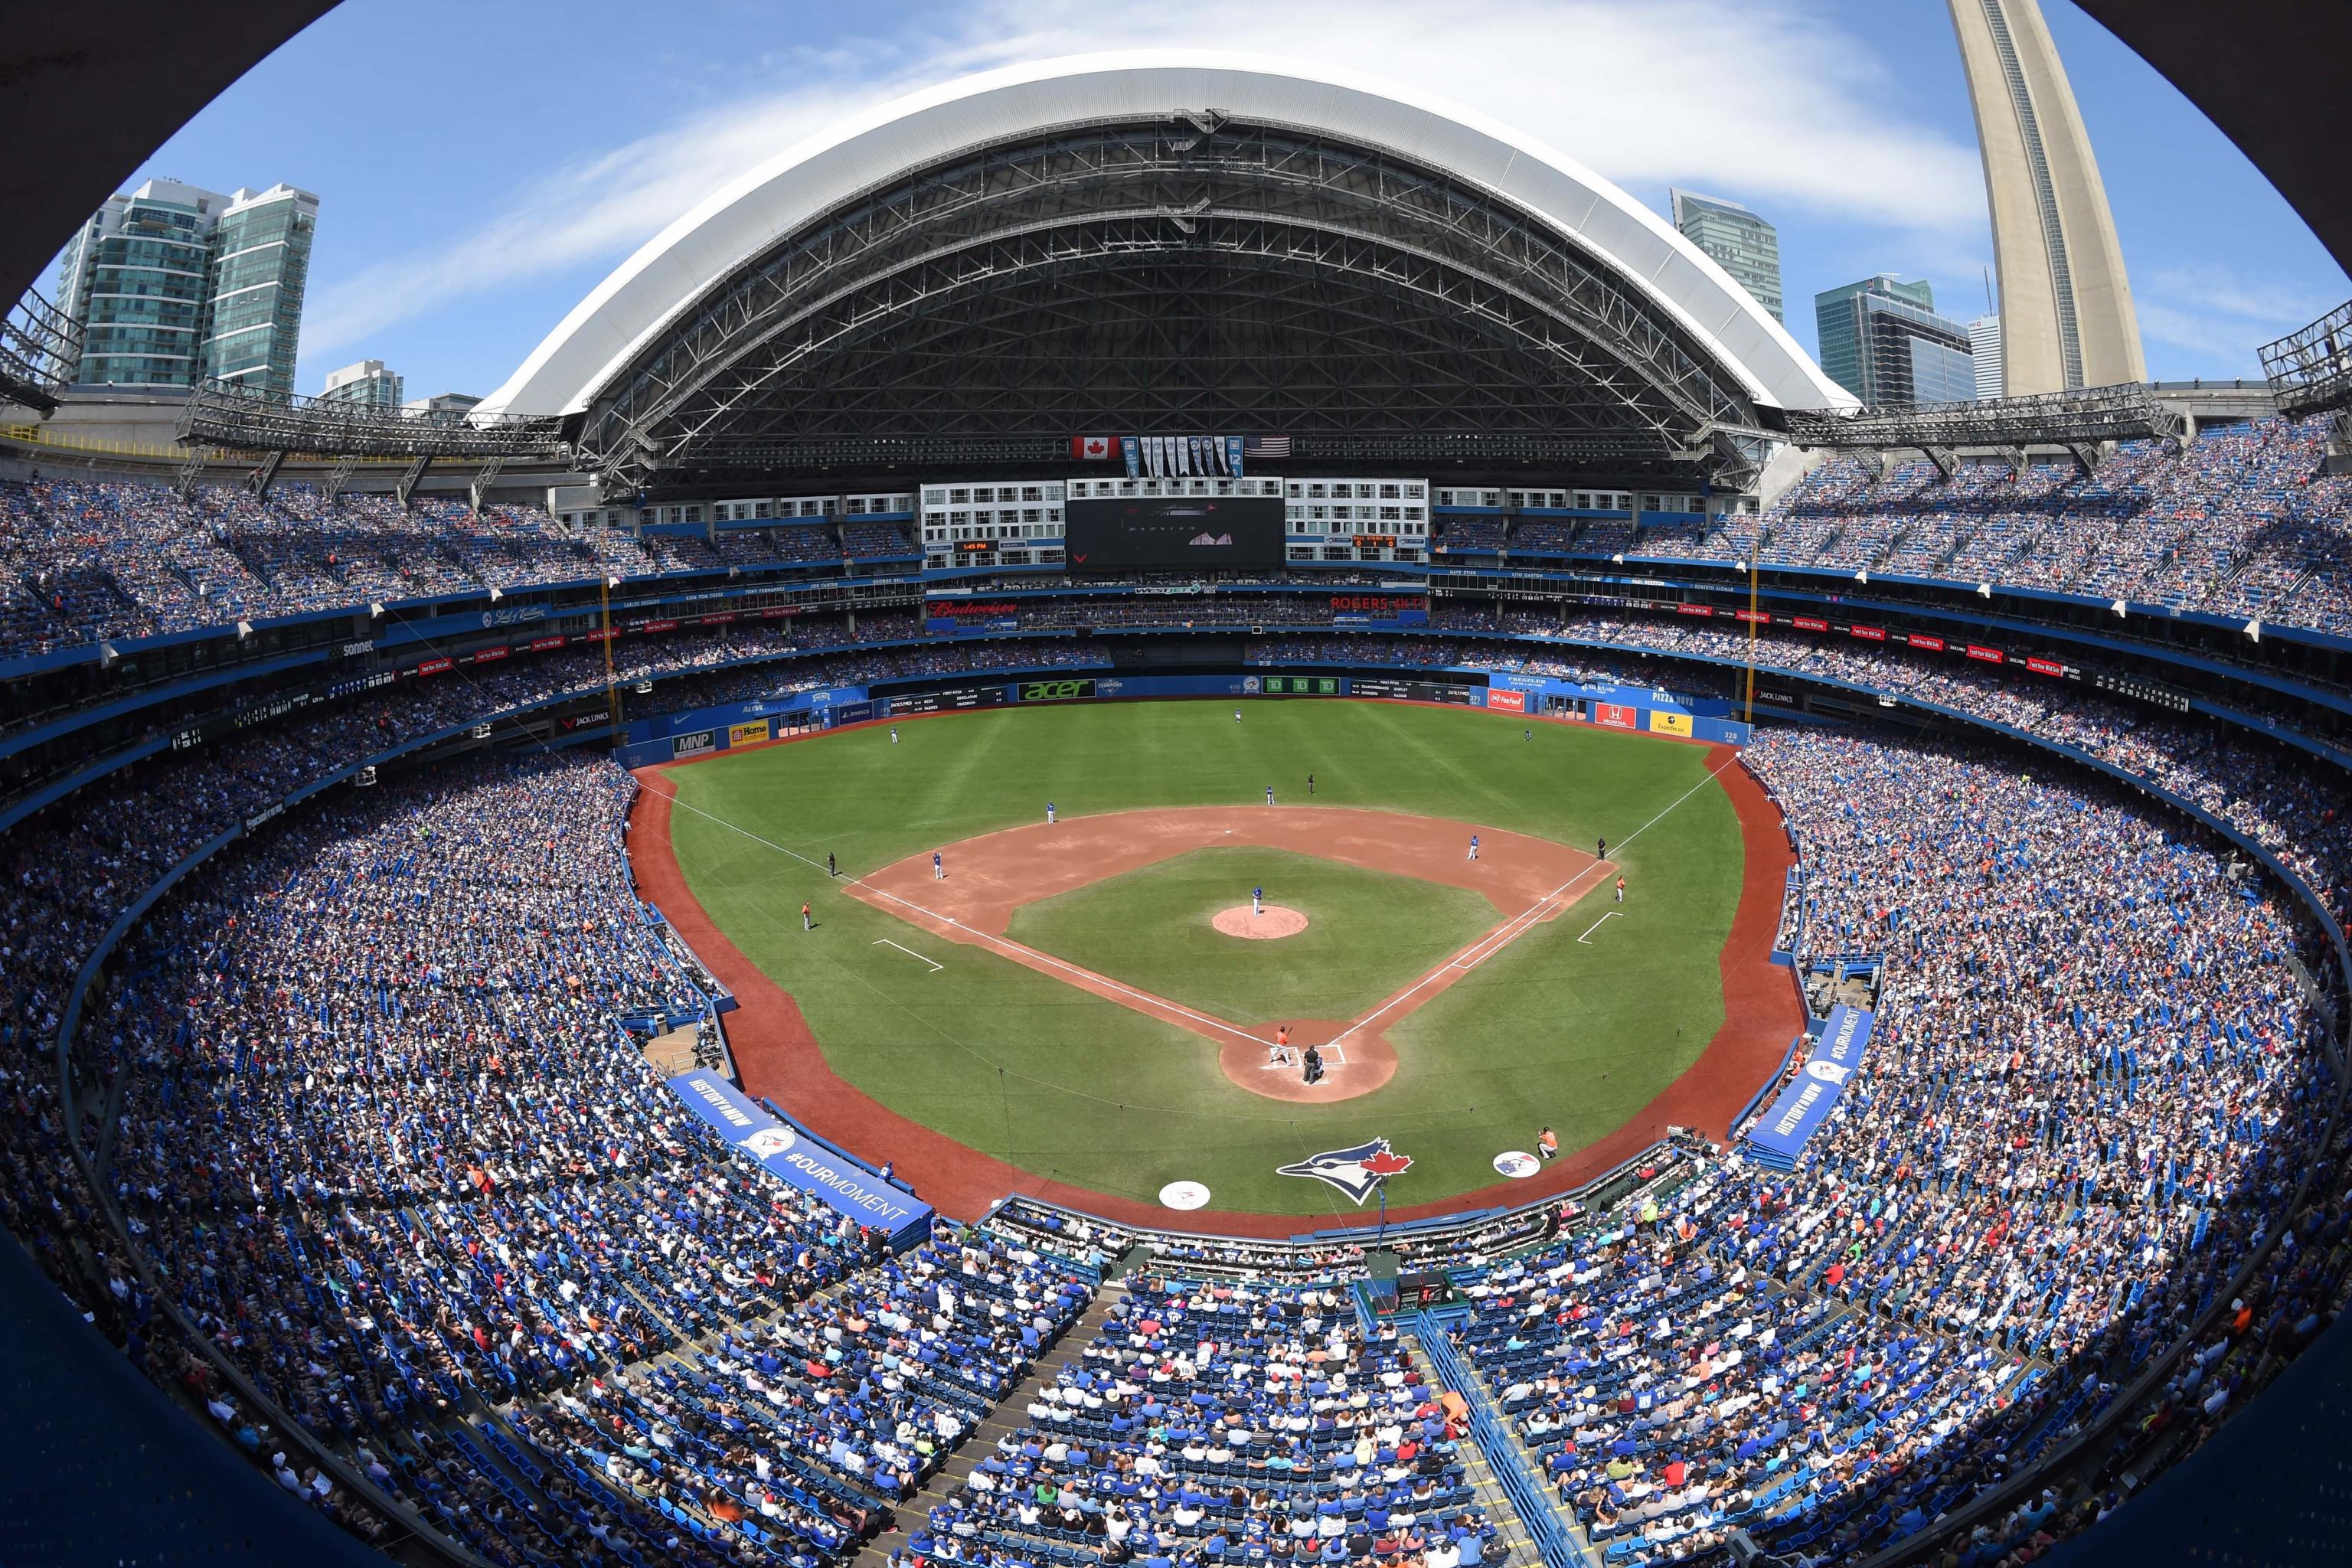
[
  {"x": 1740, "y": 243},
  {"x": 1882, "y": 341},
  {"x": 366, "y": 384},
  {"x": 173, "y": 284}
]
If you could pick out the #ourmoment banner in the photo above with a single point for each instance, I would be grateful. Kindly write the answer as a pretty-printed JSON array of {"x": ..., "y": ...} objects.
[
  {"x": 1810, "y": 1098},
  {"x": 800, "y": 1160}
]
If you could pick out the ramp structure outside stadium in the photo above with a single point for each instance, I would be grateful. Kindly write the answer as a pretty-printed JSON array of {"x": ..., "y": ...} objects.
[{"x": 1188, "y": 240}]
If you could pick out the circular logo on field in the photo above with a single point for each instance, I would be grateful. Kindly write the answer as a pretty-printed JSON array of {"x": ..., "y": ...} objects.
[
  {"x": 1517, "y": 1163},
  {"x": 1183, "y": 1195},
  {"x": 769, "y": 1142}
]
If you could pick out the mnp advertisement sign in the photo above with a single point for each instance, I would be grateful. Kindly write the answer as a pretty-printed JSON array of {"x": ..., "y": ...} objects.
[
  {"x": 1814, "y": 1092},
  {"x": 801, "y": 1161}
]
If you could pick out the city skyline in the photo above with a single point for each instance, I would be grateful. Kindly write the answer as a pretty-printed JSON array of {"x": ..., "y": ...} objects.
[{"x": 454, "y": 265}]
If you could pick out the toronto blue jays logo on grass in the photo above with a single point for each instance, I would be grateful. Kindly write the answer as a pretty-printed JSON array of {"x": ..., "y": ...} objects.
[{"x": 1355, "y": 1172}]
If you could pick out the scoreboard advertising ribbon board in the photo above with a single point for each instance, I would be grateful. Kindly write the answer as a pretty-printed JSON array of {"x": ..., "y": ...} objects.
[{"x": 1814, "y": 1092}]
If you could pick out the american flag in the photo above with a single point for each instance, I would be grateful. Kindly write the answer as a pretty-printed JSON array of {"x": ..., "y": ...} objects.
[{"x": 1266, "y": 446}]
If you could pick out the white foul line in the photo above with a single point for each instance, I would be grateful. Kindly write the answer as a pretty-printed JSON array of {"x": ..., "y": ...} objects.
[
  {"x": 1596, "y": 925},
  {"x": 1519, "y": 924},
  {"x": 1514, "y": 928},
  {"x": 910, "y": 952}
]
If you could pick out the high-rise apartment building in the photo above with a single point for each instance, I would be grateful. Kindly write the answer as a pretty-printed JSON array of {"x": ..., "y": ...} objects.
[
  {"x": 173, "y": 284},
  {"x": 1740, "y": 243},
  {"x": 367, "y": 385},
  {"x": 1882, "y": 341},
  {"x": 1984, "y": 346}
]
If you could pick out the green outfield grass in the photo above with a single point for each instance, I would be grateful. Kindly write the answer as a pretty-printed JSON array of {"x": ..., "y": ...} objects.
[
  {"x": 1368, "y": 934},
  {"x": 1068, "y": 1085}
]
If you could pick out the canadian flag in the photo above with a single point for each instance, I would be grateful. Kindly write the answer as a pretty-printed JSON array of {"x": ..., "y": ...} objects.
[{"x": 1094, "y": 448}]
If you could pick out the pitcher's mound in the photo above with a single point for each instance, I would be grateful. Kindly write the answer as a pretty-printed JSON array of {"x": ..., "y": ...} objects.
[{"x": 1275, "y": 922}]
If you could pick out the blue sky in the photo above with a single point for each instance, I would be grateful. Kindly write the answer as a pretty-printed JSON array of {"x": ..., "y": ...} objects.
[{"x": 482, "y": 165}]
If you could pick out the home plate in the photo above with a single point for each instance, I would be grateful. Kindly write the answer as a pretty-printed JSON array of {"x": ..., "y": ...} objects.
[{"x": 1183, "y": 1195}]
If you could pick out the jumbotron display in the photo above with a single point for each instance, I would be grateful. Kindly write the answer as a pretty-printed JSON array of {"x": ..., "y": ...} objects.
[{"x": 1221, "y": 533}]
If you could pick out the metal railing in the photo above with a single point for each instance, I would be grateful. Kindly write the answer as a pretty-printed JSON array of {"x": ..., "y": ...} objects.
[{"x": 241, "y": 419}]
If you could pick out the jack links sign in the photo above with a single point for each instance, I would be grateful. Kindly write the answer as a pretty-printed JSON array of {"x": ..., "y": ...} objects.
[{"x": 800, "y": 1161}]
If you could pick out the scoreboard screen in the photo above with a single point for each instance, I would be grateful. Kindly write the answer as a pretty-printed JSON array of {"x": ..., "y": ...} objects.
[
  {"x": 1411, "y": 690},
  {"x": 1188, "y": 532},
  {"x": 948, "y": 702}
]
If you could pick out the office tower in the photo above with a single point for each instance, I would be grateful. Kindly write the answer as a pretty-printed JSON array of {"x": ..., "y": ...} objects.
[
  {"x": 1741, "y": 243},
  {"x": 1984, "y": 346},
  {"x": 1882, "y": 341},
  {"x": 2065, "y": 304}
]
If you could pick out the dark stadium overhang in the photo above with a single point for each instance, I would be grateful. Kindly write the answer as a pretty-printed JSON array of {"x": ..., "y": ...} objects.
[
  {"x": 89, "y": 90},
  {"x": 1106, "y": 245}
]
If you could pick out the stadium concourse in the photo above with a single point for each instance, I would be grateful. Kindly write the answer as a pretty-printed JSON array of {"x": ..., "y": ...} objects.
[{"x": 379, "y": 1135}]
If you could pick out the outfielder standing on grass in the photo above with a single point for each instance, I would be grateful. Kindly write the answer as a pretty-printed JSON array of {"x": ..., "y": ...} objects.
[
  {"x": 1269, "y": 794},
  {"x": 1621, "y": 889},
  {"x": 831, "y": 869},
  {"x": 1310, "y": 784}
]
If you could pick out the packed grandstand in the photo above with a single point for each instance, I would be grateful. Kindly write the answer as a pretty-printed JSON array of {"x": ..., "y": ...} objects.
[
  {"x": 425, "y": 1192},
  {"x": 341, "y": 1036}
]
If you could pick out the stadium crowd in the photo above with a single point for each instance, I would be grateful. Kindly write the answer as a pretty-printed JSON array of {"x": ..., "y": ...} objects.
[
  {"x": 1222, "y": 1423},
  {"x": 375, "y": 1113},
  {"x": 2244, "y": 522},
  {"x": 85, "y": 560}
]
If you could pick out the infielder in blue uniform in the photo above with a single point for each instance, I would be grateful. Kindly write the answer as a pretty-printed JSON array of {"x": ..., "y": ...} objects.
[
  {"x": 1473, "y": 846},
  {"x": 1049, "y": 814}
]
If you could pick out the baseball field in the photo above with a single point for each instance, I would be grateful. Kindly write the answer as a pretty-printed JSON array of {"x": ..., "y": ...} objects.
[{"x": 1091, "y": 1007}]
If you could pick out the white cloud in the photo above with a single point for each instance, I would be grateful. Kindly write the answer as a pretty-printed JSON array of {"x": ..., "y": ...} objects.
[
  {"x": 1761, "y": 101},
  {"x": 2212, "y": 309}
]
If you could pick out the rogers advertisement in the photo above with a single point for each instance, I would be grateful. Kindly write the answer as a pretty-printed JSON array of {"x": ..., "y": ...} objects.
[{"x": 1380, "y": 610}]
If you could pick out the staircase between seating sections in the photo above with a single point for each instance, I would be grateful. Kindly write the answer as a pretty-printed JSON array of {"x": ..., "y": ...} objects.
[{"x": 1009, "y": 1415}]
